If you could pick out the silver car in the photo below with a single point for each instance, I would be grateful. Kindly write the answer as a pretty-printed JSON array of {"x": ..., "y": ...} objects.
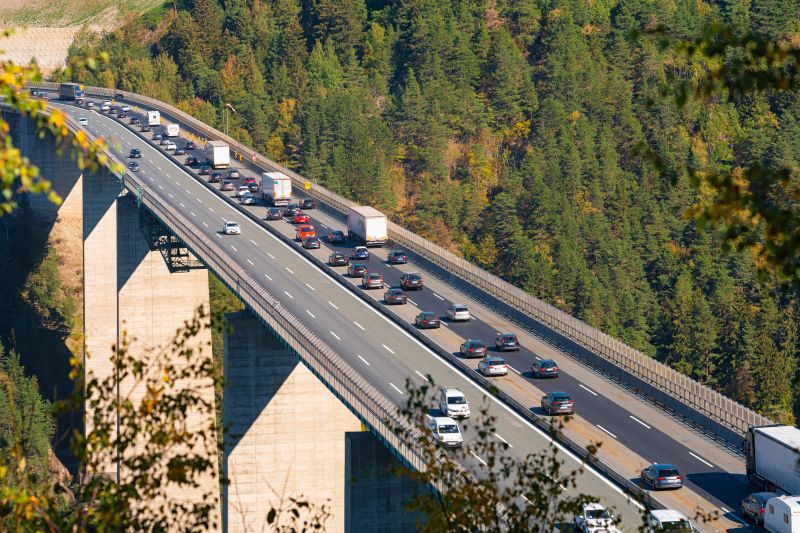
[
  {"x": 458, "y": 312},
  {"x": 493, "y": 365},
  {"x": 662, "y": 476}
]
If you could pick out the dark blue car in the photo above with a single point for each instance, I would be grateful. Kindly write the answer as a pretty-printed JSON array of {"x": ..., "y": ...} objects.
[{"x": 361, "y": 252}]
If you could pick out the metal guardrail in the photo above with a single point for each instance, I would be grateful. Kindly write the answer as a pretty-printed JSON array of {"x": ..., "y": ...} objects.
[{"x": 654, "y": 379}]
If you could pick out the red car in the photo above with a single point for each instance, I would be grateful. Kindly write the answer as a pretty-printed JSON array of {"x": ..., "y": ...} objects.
[
  {"x": 248, "y": 181},
  {"x": 300, "y": 218}
]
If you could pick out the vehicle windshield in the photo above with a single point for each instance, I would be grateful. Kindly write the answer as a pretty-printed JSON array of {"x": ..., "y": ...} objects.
[
  {"x": 413, "y": 277},
  {"x": 456, "y": 400},
  {"x": 374, "y": 276},
  {"x": 596, "y": 514},
  {"x": 495, "y": 361},
  {"x": 666, "y": 472},
  {"x": 548, "y": 364},
  {"x": 561, "y": 397},
  {"x": 477, "y": 344},
  {"x": 448, "y": 428},
  {"x": 510, "y": 338},
  {"x": 428, "y": 316},
  {"x": 395, "y": 292},
  {"x": 677, "y": 526},
  {"x": 459, "y": 308},
  {"x": 337, "y": 233}
]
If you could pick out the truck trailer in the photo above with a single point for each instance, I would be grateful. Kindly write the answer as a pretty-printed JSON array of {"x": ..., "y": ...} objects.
[
  {"x": 368, "y": 225},
  {"x": 276, "y": 188},
  {"x": 173, "y": 130},
  {"x": 153, "y": 118},
  {"x": 218, "y": 154},
  {"x": 70, "y": 91},
  {"x": 772, "y": 457}
]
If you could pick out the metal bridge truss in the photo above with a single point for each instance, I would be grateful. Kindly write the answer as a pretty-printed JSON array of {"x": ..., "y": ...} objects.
[{"x": 159, "y": 237}]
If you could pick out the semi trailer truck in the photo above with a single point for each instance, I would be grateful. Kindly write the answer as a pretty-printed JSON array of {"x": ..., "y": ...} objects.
[
  {"x": 368, "y": 225},
  {"x": 772, "y": 458},
  {"x": 276, "y": 188}
]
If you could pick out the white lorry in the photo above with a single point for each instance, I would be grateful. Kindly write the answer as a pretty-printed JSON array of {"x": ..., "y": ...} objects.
[
  {"x": 153, "y": 118},
  {"x": 173, "y": 130},
  {"x": 368, "y": 225},
  {"x": 218, "y": 154},
  {"x": 276, "y": 188},
  {"x": 772, "y": 456},
  {"x": 782, "y": 514}
]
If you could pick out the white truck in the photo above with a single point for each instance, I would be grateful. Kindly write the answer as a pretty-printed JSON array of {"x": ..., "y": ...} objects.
[
  {"x": 772, "y": 456},
  {"x": 368, "y": 225},
  {"x": 276, "y": 188},
  {"x": 218, "y": 154},
  {"x": 153, "y": 118},
  {"x": 782, "y": 514},
  {"x": 173, "y": 130}
]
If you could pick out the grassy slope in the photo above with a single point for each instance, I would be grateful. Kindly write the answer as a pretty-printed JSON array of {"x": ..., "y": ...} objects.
[{"x": 64, "y": 13}]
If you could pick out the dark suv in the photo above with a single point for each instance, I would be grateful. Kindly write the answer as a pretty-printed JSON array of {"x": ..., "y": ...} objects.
[
  {"x": 308, "y": 203},
  {"x": 506, "y": 341},
  {"x": 544, "y": 368},
  {"x": 411, "y": 280}
]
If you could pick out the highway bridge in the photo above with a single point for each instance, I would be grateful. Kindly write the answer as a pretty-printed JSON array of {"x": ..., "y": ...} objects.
[{"x": 365, "y": 352}]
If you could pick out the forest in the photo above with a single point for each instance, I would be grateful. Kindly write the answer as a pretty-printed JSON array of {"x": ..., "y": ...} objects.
[{"x": 512, "y": 133}]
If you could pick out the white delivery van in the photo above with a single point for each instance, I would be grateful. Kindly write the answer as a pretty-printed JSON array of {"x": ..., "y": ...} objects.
[
  {"x": 782, "y": 514},
  {"x": 153, "y": 118}
]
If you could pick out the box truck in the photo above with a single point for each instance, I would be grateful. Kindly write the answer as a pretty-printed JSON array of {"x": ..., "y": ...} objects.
[
  {"x": 368, "y": 225},
  {"x": 218, "y": 154},
  {"x": 772, "y": 457},
  {"x": 153, "y": 118},
  {"x": 276, "y": 188},
  {"x": 173, "y": 130},
  {"x": 782, "y": 514},
  {"x": 70, "y": 91}
]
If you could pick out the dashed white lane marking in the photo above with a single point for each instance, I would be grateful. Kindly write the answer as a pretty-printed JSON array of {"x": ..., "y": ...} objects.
[
  {"x": 725, "y": 510},
  {"x": 253, "y": 264},
  {"x": 181, "y": 204},
  {"x": 177, "y": 183},
  {"x": 413, "y": 302},
  {"x": 332, "y": 304},
  {"x": 201, "y": 201},
  {"x": 388, "y": 349},
  {"x": 504, "y": 440},
  {"x": 473, "y": 318},
  {"x": 538, "y": 358},
  {"x": 359, "y": 325},
  {"x": 160, "y": 187},
  {"x": 158, "y": 167},
  {"x": 206, "y": 225},
  {"x": 267, "y": 276},
  {"x": 310, "y": 287},
  {"x": 365, "y": 361},
  {"x": 151, "y": 178},
  {"x": 289, "y": 295},
  {"x": 701, "y": 460},
  {"x": 170, "y": 195},
  {"x": 254, "y": 242},
  {"x": 222, "y": 219},
  {"x": 476, "y": 456},
  {"x": 289, "y": 270},
  {"x": 192, "y": 213},
  {"x": 395, "y": 388},
  {"x": 420, "y": 374},
  {"x": 234, "y": 248},
  {"x": 187, "y": 190},
  {"x": 310, "y": 314},
  {"x": 607, "y": 431},
  {"x": 587, "y": 389},
  {"x": 524, "y": 498},
  {"x": 271, "y": 256},
  {"x": 438, "y": 296},
  {"x": 219, "y": 235},
  {"x": 151, "y": 161},
  {"x": 323, "y": 225},
  {"x": 639, "y": 421},
  {"x": 444, "y": 324},
  {"x": 336, "y": 336},
  {"x": 514, "y": 369}
]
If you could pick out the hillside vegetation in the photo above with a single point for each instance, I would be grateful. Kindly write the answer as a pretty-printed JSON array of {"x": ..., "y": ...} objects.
[
  {"x": 64, "y": 13},
  {"x": 510, "y": 131}
]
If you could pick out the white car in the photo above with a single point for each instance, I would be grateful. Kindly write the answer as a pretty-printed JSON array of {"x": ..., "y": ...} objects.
[
  {"x": 90, "y": 105},
  {"x": 668, "y": 520},
  {"x": 458, "y": 312},
  {"x": 453, "y": 403},
  {"x": 595, "y": 518},
  {"x": 83, "y": 122},
  {"x": 105, "y": 108},
  {"x": 446, "y": 431},
  {"x": 232, "y": 228},
  {"x": 247, "y": 199},
  {"x": 125, "y": 109},
  {"x": 171, "y": 147},
  {"x": 242, "y": 190},
  {"x": 107, "y": 102}
]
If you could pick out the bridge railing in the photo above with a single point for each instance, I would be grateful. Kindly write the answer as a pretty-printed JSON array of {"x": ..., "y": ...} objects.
[{"x": 647, "y": 376}]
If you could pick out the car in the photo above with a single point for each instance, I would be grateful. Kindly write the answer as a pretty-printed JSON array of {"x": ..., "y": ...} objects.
[
  {"x": 301, "y": 232},
  {"x": 662, "y": 476},
  {"x": 233, "y": 174},
  {"x": 506, "y": 342},
  {"x": 180, "y": 151},
  {"x": 473, "y": 348},
  {"x": 107, "y": 102},
  {"x": 372, "y": 280},
  {"x": 356, "y": 270},
  {"x": 558, "y": 403},
  {"x": 83, "y": 122},
  {"x": 165, "y": 141},
  {"x": 247, "y": 199},
  {"x": 171, "y": 146},
  {"x": 337, "y": 237},
  {"x": 122, "y": 115},
  {"x": 191, "y": 161},
  {"x": 189, "y": 146},
  {"x": 395, "y": 296},
  {"x": 458, "y": 313},
  {"x": 308, "y": 203},
  {"x": 204, "y": 170},
  {"x": 119, "y": 95},
  {"x": 135, "y": 153},
  {"x": 273, "y": 213},
  {"x": 253, "y": 187},
  {"x": 397, "y": 257},
  {"x": 232, "y": 228},
  {"x": 662, "y": 520},
  {"x": 226, "y": 186},
  {"x": 361, "y": 252},
  {"x": 427, "y": 320},
  {"x": 300, "y": 218},
  {"x": 445, "y": 431},
  {"x": 338, "y": 259},
  {"x": 544, "y": 368},
  {"x": 144, "y": 128},
  {"x": 595, "y": 518},
  {"x": 453, "y": 403},
  {"x": 90, "y": 105},
  {"x": 290, "y": 209},
  {"x": 411, "y": 281},
  {"x": 754, "y": 504},
  {"x": 135, "y": 121},
  {"x": 126, "y": 109},
  {"x": 311, "y": 242},
  {"x": 113, "y": 110},
  {"x": 248, "y": 181},
  {"x": 34, "y": 92},
  {"x": 492, "y": 365},
  {"x": 215, "y": 177},
  {"x": 241, "y": 191},
  {"x": 105, "y": 108},
  {"x": 134, "y": 166}
]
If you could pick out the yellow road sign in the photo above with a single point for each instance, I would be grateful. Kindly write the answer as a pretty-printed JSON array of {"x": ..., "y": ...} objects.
[{"x": 307, "y": 185}]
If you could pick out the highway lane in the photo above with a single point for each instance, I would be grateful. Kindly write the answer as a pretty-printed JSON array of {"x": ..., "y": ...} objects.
[{"x": 331, "y": 310}]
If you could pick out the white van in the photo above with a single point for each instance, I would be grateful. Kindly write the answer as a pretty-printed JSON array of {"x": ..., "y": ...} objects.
[
  {"x": 445, "y": 431},
  {"x": 782, "y": 514},
  {"x": 668, "y": 520}
]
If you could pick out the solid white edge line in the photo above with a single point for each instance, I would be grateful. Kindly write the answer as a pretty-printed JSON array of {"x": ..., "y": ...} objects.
[
  {"x": 607, "y": 431},
  {"x": 587, "y": 389},
  {"x": 701, "y": 459},
  {"x": 365, "y": 361},
  {"x": 639, "y": 421},
  {"x": 476, "y": 456},
  {"x": 395, "y": 388}
]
